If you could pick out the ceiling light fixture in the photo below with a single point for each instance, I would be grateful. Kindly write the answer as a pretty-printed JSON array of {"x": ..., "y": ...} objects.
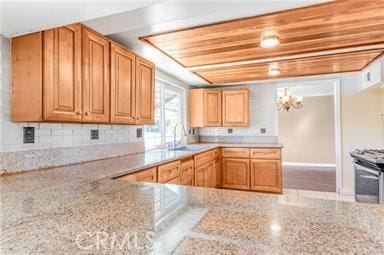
[
  {"x": 273, "y": 71},
  {"x": 269, "y": 41}
]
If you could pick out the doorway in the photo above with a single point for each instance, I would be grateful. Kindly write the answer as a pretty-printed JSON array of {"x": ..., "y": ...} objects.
[{"x": 310, "y": 137}]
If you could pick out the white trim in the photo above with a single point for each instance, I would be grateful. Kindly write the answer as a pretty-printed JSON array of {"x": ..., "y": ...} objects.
[
  {"x": 347, "y": 192},
  {"x": 309, "y": 164},
  {"x": 338, "y": 153}
]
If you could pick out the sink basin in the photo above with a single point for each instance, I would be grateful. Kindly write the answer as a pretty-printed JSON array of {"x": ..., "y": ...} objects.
[{"x": 187, "y": 148}]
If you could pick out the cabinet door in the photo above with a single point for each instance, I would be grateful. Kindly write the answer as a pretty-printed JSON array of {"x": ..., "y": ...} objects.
[
  {"x": 169, "y": 171},
  {"x": 62, "y": 74},
  {"x": 212, "y": 175},
  {"x": 123, "y": 66},
  {"x": 266, "y": 175},
  {"x": 201, "y": 177},
  {"x": 96, "y": 98},
  {"x": 187, "y": 182},
  {"x": 212, "y": 108},
  {"x": 235, "y": 173},
  {"x": 235, "y": 107},
  {"x": 145, "y": 91}
]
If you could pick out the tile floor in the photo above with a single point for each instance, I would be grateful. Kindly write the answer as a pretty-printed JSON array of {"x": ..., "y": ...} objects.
[{"x": 318, "y": 194}]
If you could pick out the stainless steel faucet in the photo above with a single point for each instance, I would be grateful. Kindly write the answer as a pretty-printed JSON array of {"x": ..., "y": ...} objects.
[{"x": 175, "y": 143}]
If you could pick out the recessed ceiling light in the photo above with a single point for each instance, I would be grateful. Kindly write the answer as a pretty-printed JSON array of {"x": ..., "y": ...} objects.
[
  {"x": 273, "y": 71},
  {"x": 269, "y": 41}
]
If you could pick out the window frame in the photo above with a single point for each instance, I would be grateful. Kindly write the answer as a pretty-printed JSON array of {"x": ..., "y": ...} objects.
[{"x": 164, "y": 84}]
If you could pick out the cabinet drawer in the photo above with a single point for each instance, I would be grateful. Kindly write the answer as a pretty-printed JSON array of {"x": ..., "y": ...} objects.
[
  {"x": 148, "y": 175},
  {"x": 174, "y": 181},
  {"x": 235, "y": 152},
  {"x": 168, "y": 171},
  {"x": 266, "y": 153},
  {"x": 203, "y": 158},
  {"x": 187, "y": 169}
]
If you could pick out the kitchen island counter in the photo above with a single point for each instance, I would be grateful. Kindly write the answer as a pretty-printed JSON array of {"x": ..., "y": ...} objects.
[{"x": 79, "y": 209}]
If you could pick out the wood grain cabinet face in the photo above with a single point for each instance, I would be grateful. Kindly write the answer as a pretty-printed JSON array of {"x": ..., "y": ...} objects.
[
  {"x": 96, "y": 89},
  {"x": 145, "y": 91},
  {"x": 62, "y": 74},
  {"x": 201, "y": 176},
  {"x": 212, "y": 108},
  {"x": 148, "y": 175},
  {"x": 123, "y": 103},
  {"x": 266, "y": 175},
  {"x": 168, "y": 172},
  {"x": 235, "y": 173},
  {"x": 235, "y": 107}
]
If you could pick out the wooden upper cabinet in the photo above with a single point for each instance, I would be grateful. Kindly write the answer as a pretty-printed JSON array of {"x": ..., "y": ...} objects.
[
  {"x": 96, "y": 97},
  {"x": 27, "y": 81},
  {"x": 212, "y": 108},
  {"x": 204, "y": 108},
  {"x": 266, "y": 175},
  {"x": 66, "y": 74},
  {"x": 123, "y": 68},
  {"x": 235, "y": 107},
  {"x": 235, "y": 173},
  {"x": 145, "y": 91},
  {"x": 62, "y": 74}
]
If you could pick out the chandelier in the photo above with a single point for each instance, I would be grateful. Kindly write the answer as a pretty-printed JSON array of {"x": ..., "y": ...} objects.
[{"x": 287, "y": 100}]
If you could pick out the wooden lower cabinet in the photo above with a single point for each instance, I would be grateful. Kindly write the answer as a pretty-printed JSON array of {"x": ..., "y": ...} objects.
[
  {"x": 148, "y": 175},
  {"x": 168, "y": 172},
  {"x": 188, "y": 181},
  {"x": 266, "y": 175},
  {"x": 201, "y": 176},
  {"x": 235, "y": 173}
]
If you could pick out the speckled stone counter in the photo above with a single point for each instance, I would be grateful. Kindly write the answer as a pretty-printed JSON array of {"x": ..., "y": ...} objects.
[{"x": 79, "y": 209}]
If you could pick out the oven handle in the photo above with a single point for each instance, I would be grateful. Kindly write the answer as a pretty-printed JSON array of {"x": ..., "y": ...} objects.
[
  {"x": 370, "y": 177},
  {"x": 376, "y": 173}
]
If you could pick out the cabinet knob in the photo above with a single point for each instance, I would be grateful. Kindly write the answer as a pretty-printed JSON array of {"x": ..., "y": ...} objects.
[
  {"x": 86, "y": 113},
  {"x": 137, "y": 118},
  {"x": 79, "y": 112}
]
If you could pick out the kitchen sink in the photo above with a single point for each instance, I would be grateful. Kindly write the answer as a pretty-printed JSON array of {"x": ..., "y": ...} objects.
[{"x": 188, "y": 148}]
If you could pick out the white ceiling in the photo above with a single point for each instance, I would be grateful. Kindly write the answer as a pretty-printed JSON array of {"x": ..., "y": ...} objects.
[
  {"x": 126, "y": 20},
  {"x": 25, "y": 16}
]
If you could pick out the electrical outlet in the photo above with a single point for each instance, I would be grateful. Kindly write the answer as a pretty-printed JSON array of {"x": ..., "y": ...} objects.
[
  {"x": 263, "y": 130},
  {"x": 28, "y": 134},
  {"x": 139, "y": 133},
  {"x": 230, "y": 131},
  {"x": 94, "y": 134}
]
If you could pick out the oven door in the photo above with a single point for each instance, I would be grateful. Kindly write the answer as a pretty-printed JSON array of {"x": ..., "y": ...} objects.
[{"x": 368, "y": 183}]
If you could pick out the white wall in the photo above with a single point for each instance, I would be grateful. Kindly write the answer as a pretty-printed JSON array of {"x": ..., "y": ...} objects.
[
  {"x": 262, "y": 113},
  {"x": 308, "y": 134},
  {"x": 361, "y": 122}
]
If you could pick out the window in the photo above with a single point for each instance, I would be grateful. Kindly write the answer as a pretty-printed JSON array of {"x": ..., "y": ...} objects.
[{"x": 168, "y": 113}]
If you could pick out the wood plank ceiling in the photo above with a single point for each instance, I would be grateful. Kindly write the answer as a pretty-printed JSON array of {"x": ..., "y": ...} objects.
[{"x": 313, "y": 40}]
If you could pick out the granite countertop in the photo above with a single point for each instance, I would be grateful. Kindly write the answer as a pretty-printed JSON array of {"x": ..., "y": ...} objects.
[{"x": 79, "y": 209}]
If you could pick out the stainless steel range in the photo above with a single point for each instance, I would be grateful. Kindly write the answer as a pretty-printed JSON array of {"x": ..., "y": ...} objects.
[{"x": 369, "y": 175}]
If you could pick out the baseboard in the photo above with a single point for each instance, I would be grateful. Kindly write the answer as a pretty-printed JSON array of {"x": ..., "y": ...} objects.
[
  {"x": 347, "y": 192},
  {"x": 308, "y": 164}
]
